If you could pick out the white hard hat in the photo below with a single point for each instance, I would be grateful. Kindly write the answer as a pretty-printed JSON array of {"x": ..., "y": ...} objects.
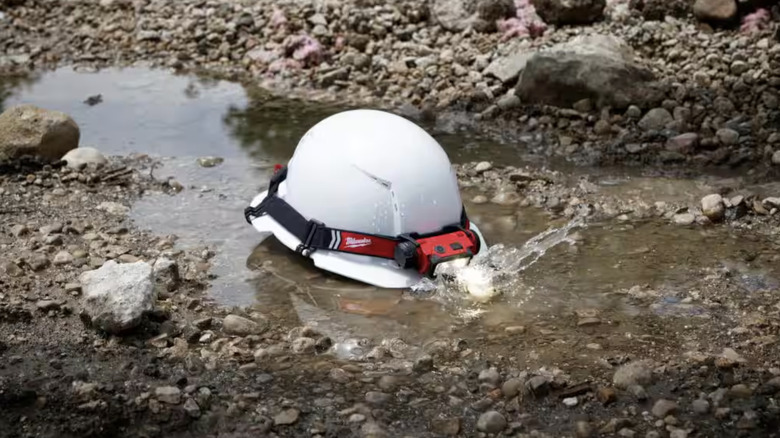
[{"x": 370, "y": 196}]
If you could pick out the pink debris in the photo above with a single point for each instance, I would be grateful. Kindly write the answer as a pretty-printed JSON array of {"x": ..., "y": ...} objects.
[
  {"x": 278, "y": 18},
  {"x": 303, "y": 48},
  {"x": 525, "y": 23},
  {"x": 754, "y": 22}
]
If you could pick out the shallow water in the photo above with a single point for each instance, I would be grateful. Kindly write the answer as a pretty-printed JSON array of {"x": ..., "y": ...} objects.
[{"x": 584, "y": 268}]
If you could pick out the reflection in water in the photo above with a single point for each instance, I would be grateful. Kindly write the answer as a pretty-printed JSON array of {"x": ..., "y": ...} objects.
[{"x": 14, "y": 84}]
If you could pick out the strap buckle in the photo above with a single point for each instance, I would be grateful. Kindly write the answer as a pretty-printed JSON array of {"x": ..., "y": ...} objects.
[
  {"x": 279, "y": 175},
  {"x": 305, "y": 248}
]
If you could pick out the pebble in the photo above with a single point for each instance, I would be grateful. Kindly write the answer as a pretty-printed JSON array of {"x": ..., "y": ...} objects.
[
  {"x": 491, "y": 422},
  {"x": 63, "y": 258},
  {"x": 712, "y": 206},
  {"x": 727, "y": 137},
  {"x": 583, "y": 429},
  {"x": 168, "y": 394},
  {"x": 633, "y": 373},
  {"x": 303, "y": 345},
  {"x": 377, "y": 398},
  {"x": 423, "y": 364},
  {"x": 286, "y": 417},
  {"x": 776, "y": 158},
  {"x": 570, "y": 402},
  {"x": 240, "y": 326},
  {"x": 47, "y": 305},
  {"x": 490, "y": 376},
  {"x": 656, "y": 119},
  {"x": 191, "y": 408},
  {"x": 700, "y": 406},
  {"x": 446, "y": 426},
  {"x": 664, "y": 407},
  {"x": 606, "y": 396},
  {"x": 483, "y": 167},
  {"x": 388, "y": 383},
  {"x": 511, "y": 387},
  {"x": 684, "y": 218}
]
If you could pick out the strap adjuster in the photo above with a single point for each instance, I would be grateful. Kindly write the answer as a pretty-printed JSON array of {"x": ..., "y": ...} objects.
[{"x": 305, "y": 248}]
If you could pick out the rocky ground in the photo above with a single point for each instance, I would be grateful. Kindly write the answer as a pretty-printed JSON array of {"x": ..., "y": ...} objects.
[
  {"x": 165, "y": 361},
  {"x": 643, "y": 82}
]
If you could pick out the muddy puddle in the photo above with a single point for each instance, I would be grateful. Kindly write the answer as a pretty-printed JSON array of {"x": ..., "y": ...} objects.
[{"x": 550, "y": 271}]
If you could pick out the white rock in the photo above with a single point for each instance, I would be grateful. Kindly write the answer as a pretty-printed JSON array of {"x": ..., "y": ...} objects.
[
  {"x": 776, "y": 158},
  {"x": 117, "y": 295},
  {"x": 684, "y": 219},
  {"x": 483, "y": 167},
  {"x": 82, "y": 157},
  {"x": 712, "y": 207}
]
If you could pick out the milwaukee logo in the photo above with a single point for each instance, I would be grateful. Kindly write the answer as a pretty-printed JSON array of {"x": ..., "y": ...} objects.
[{"x": 351, "y": 242}]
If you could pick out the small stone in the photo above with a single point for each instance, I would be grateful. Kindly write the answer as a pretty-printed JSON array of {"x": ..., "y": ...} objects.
[
  {"x": 286, "y": 417},
  {"x": 377, "y": 398},
  {"x": 490, "y": 376},
  {"x": 701, "y": 406},
  {"x": 656, "y": 119},
  {"x": 491, "y": 422},
  {"x": 511, "y": 387},
  {"x": 633, "y": 112},
  {"x": 727, "y": 137},
  {"x": 423, "y": 364},
  {"x": 683, "y": 143},
  {"x": 740, "y": 391},
  {"x": 203, "y": 323},
  {"x": 633, "y": 373},
  {"x": 626, "y": 433},
  {"x": 606, "y": 396},
  {"x": 191, "y": 408},
  {"x": 63, "y": 258},
  {"x": 303, "y": 345},
  {"x": 168, "y": 394},
  {"x": 712, "y": 207},
  {"x": 538, "y": 385},
  {"x": 446, "y": 426},
  {"x": 776, "y": 158},
  {"x": 388, "y": 383},
  {"x": 715, "y": 10},
  {"x": 684, "y": 219},
  {"x": 739, "y": 67},
  {"x": 240, "y": 326},
  {"x": 583, "y": 429},
  {"x": 664, "y": 407},
  {"x": 210, "y": 161},
  {"x": 638, "y": 391},
  {"x": 356, "y": 418},
  {"x": 339, "y": 375},
  {"x": 47, "y": 305},
  {"x": 585, "y": 106},
  {"x": 483, "y": 166},
  {"x": 19, "y": 230},
  {"x": 479, "y": 199},
  {"x": 570, "y": 402}
]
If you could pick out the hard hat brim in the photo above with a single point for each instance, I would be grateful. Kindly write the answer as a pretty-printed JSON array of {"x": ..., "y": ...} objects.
[{"x": 375, "y": 271}]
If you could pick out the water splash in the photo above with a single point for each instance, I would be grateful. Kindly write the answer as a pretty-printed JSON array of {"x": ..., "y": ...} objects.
[{"x": 496, "y": 271}]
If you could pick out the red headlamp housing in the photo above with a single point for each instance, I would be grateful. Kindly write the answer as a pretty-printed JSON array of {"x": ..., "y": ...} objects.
[{"x": 425, "y": 252}]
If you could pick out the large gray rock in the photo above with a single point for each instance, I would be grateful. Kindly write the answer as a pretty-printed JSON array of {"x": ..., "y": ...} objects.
[
  {"x": 561, "y": 12},
  {"x": 481, "y": 15},
  {"x": 30, "y": 130},
  {"x": 117, "y": 295},
  {"x": 598, "y": 67}
]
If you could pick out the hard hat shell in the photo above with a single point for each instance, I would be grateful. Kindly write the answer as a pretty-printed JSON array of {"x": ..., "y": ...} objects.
[{"x": 372, "y": 172}]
